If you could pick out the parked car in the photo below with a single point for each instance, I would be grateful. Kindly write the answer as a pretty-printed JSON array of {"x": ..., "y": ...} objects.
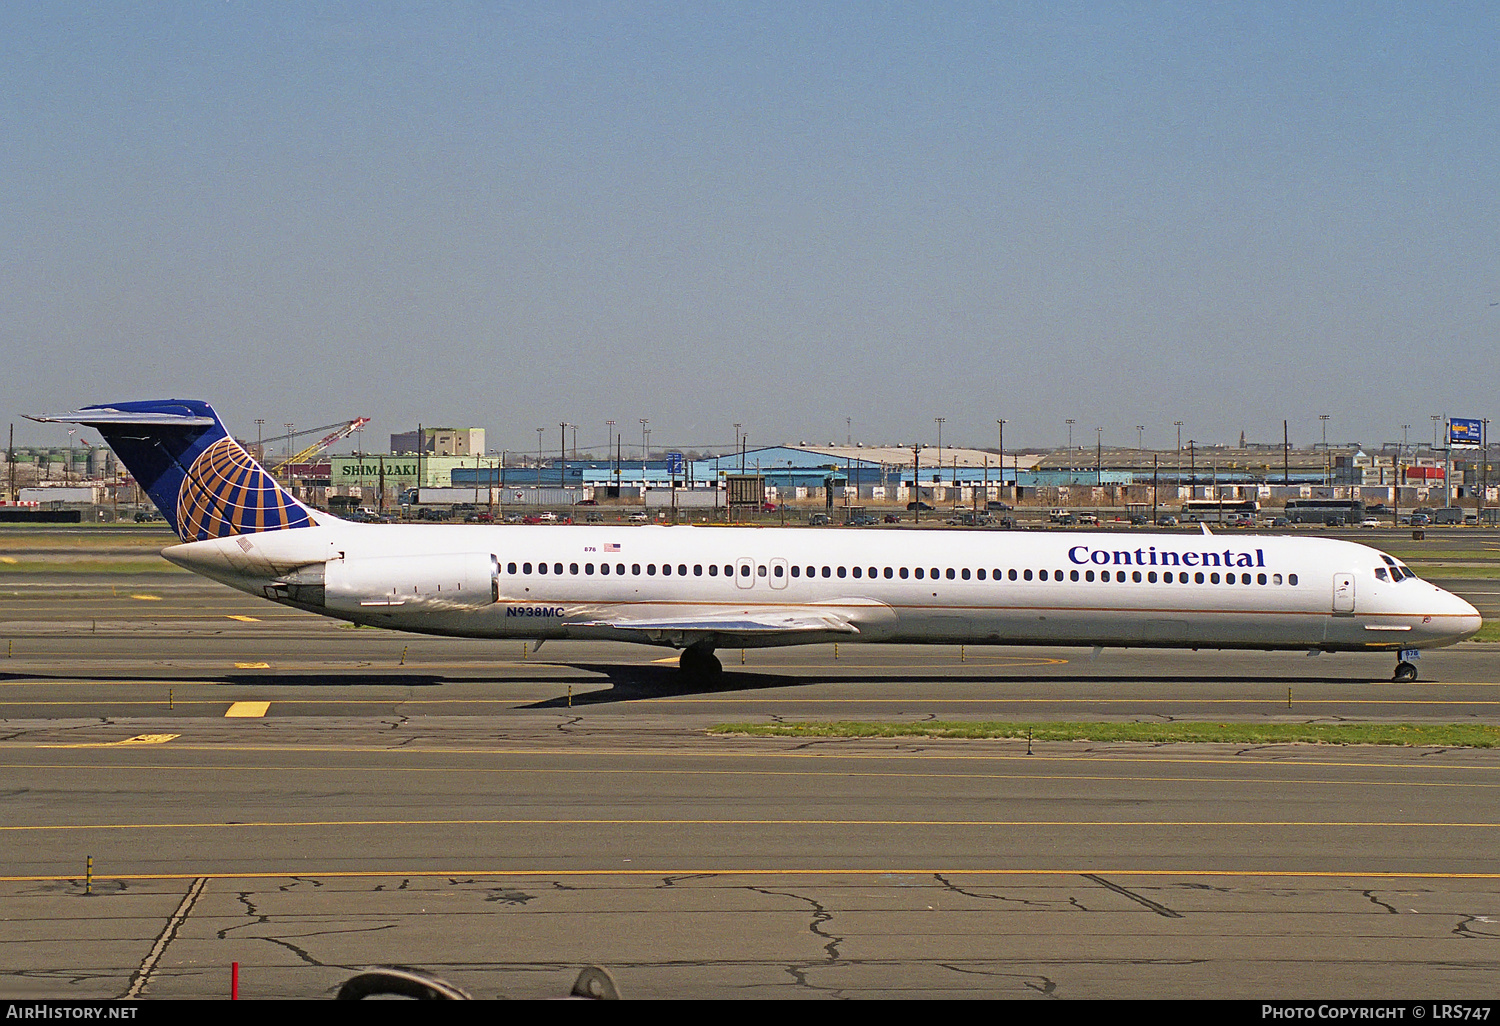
[
  {"x": 637, "y": 517},
  {"x": 1420, "y": 520},
  {"x": 1370, "y": 522},
  {"x": 892, "y": 518},
  {"x": 1139, "y": 520},
  {"x": 1000, "y": 507},
  {"x": 1089, "y": 519},
  {"x": 1280, "y": 522},
  {"x": 912, "y": 507},
  {"x": 147, "y": 516},
  {"x": 480, "y": 518},
  {"x": 863, "y": 520},
  {"x": 1166, "y": 521},
  {"x": 817, "y": 520},
  {"x": 547, "y": 517}
]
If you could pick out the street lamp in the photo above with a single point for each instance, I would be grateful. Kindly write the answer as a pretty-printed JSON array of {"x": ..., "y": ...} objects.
[
  {"x": 1002, "y": 457},
  {"x": 1324, "y": 418},
  {"x": 1140, "y": 432},
  {"x": 1071, "y": 422},
  {"x": 1178, "y": 424},
  {"x": 539, "y": 456}
]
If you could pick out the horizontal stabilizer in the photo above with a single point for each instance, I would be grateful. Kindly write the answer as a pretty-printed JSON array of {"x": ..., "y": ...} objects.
[{"x": 106, "y": 416}]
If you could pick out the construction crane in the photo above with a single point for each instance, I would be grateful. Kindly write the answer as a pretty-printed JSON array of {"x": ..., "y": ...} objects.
[{"x": 343, "y": 429}]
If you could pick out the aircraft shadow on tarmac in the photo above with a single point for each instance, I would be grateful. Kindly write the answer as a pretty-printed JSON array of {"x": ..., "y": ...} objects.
[
  {"x": 633, "y": 682},
  {"x": 638, "y": 683}
]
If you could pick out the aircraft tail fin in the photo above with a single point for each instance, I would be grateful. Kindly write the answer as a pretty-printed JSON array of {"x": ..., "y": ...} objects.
[{"x": 202, "y": 480}]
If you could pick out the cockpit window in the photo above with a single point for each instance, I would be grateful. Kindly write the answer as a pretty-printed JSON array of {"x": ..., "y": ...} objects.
[{"x": 1380, "y": 573}]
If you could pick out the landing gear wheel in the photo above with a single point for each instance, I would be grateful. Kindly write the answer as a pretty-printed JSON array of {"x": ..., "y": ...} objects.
[
  {"x": 700, "y": 663},
  {"x": 1405, "y": 672}
]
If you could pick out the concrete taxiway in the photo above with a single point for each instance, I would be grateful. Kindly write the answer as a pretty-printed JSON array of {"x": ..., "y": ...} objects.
[{"x": 503, "y": 817}]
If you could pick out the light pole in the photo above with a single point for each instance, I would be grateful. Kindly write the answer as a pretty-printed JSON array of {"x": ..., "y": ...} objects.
[
  {"x": 1001, "y": 424},
  {"x": 1435, "y": 418},
  {"x": 1140, "y": 434},
  {"x": 1324, "y": 418},
  {"x": 1178, "y": 424},
  {"x": 1071, "y": 422},
  {"x": 1098, "y": 457},
  {"x": 539, "y": 456}
]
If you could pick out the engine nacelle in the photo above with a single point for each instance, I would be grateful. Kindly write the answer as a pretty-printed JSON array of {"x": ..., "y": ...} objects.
[{"x": 464, "y": 580}]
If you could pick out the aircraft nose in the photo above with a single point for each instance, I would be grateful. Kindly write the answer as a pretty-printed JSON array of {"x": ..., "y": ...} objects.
[{"x": 1461, "y": 616}]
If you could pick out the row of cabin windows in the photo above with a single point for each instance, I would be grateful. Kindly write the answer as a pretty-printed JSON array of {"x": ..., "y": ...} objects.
[{"x": 909, "y": 573}]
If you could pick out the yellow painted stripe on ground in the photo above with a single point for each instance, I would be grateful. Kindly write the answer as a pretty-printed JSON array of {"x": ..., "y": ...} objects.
[
  {"x": 923, "y": 823},
  {"x": 147, "y": 598},
  {"x": 252, "y": 666},
  {"x": 248, "y": 709},
  {"x": 246, "y": 619},
  {"x": 720, "y": 873}
]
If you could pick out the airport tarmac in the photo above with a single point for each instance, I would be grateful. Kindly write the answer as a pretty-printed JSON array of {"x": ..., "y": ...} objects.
[{"x": 503, "y": 818}]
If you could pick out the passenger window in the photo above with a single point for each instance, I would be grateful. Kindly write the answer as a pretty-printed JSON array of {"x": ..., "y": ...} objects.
[
  {"x": 1012, "y": 575},
  {"x": 857, "y": 571},
  {"x": 620, "y": 568},
  {"x": 557, "y": 568},
  {"x": 682, "y": 569},
  {"x": 888, "y": 573},
  {"x": 745, "y": 570},
  {"x": 666, "y": 569},
  {"x": 1198, "y": 577},
  {"x": 1151, "y": 577},
  {"x": 1291, "y": 579},
  {"x": 980, "y": 572},
  {"x": 779, "y": 570},
  {"x": 635, "y": 568},
  {"x": 1136, "y": 577},
  {"x": 510, "y": 568},
  {"x": 541, "y": 568},
  {"x": 604, "y": 568},
  {"x": 713, "y": 569},
  {"x": 728, "y": 570},
  {"x": 1088, "y": 575},
  {"x": 1260, "y": 578},
  {"x": 588, "y": 568},
  {"x": 874, "y": 571},
  {"x": 796, "y": 571},
  {"x": 573, "y": 568},
  {"x": 1027, "y": 575},
  {"x": 841, "y": 571},
  {"x": 919, "y": 573},
  {"x": 526, "y": 568},
  {"x": 903, "y": 573},
  {"x": 697, "y": 569},
  {"x": 950, "y": 573},
  {"x": 827, "y": 571},
  {"x": 965, "y": 573},
  {"x": 650, "y": 569},
  {"x": 760, "y": 571},
  {"x": 1275, "y": 578},
  {"x": 1042, "y": 575}
]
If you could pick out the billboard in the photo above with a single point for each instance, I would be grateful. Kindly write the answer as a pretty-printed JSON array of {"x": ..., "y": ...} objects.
[{"x": 1465, "y": 432}]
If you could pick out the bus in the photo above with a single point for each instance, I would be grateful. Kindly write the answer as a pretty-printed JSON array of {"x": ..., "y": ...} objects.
[
  {"x": 1322, "y": 511},
  {"x": 1219, "y": 511}
]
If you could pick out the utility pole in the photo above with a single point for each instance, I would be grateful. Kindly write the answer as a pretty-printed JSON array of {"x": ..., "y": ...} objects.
[
  {"x": 1001, "y": 424},
  {"x": 916, "y": 482}
]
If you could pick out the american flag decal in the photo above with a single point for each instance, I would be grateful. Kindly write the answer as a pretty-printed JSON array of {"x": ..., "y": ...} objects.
[{"x": 611, "y": 547}]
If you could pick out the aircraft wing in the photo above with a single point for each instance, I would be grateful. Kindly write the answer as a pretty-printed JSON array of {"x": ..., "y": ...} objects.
[{"x": 729, "y": 627}]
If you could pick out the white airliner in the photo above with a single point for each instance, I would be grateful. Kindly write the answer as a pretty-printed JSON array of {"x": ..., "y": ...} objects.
[{"x": 698, "y": 589}]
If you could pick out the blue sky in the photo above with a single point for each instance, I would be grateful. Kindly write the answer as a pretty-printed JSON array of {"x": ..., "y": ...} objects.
[{"x": 782, "y": 215}]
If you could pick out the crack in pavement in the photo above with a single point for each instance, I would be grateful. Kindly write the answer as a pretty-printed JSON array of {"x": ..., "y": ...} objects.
[
  {"x": 142, "y": 976},
  {"x": 1156, "y": 907}
]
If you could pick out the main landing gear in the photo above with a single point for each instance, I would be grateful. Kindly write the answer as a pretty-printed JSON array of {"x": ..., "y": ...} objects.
[
  {"x": 698, "y": 662},
  {"x": 1405, "y": 672}
]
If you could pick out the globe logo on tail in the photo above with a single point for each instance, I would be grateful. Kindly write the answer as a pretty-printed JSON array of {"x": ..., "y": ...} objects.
[{"x": 226, "y": 492}]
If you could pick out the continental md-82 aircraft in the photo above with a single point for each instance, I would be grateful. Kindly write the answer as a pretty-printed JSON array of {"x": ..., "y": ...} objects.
[{"x": 697, "y": 589}]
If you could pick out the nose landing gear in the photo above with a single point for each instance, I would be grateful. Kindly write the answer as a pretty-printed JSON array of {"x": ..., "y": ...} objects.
[{"x": 1405, "y": 672}]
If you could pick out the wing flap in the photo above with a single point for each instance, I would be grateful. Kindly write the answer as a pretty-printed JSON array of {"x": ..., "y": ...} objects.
[{"x": 743, "y": 626}]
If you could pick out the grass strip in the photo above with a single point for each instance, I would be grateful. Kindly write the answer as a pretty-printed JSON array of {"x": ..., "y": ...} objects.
[{"x": 1408, "y": 734}]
